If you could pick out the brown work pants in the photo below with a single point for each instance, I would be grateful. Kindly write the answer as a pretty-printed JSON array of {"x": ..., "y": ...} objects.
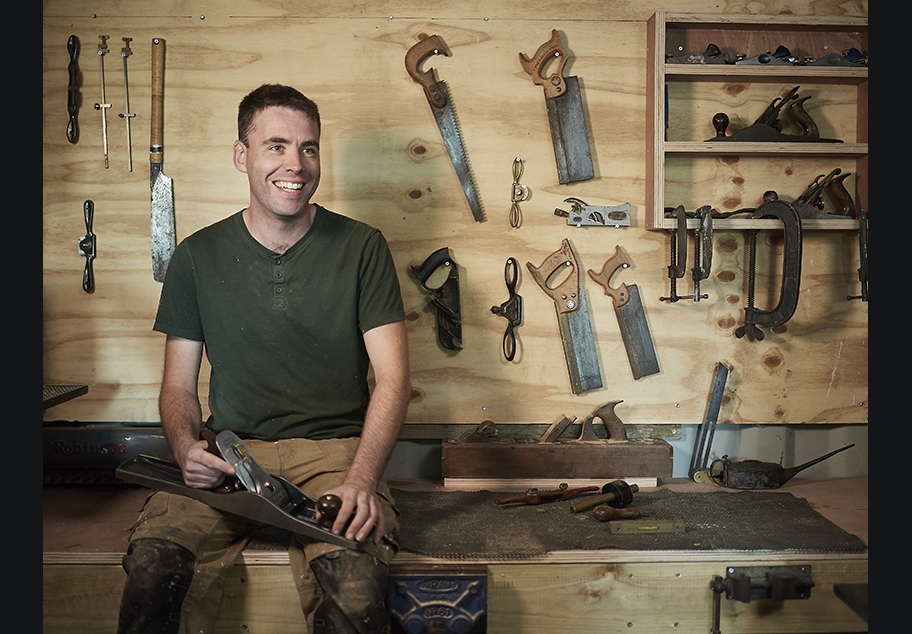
[{"x": 215, "y": 538}]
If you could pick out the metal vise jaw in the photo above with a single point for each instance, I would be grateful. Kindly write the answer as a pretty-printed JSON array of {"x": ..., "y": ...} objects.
[{"x": 439, "y": 604}]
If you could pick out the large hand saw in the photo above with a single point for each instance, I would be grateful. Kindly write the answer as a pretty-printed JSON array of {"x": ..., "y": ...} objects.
[
  {"x": 438, "y": 96},
  {"x": 572, "y": 317}
]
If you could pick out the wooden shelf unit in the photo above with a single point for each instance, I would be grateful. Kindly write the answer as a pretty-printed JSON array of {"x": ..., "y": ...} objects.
[{"x": 700, "y": 90}]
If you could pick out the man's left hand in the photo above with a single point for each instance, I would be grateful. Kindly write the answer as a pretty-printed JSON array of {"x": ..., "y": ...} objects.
[{"x": 359, "y": 514}]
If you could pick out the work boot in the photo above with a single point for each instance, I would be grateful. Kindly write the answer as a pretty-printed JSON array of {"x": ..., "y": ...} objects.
[
  {"x": 158, "y": 577},
  {"x": 355, "y": 587}
]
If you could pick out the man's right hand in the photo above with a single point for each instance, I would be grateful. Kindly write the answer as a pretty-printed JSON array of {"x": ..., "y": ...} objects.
[{"x": 201, "y": 468}]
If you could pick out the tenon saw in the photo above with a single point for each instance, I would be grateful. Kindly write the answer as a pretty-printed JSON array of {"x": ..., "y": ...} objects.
[
  {"x": 162, "y": 217},
  {"x": 630, "y": 315},
  {"x": 565, "y": 111},
  {"x": 572, "y": 317},
  {"x": 438, "y": 96}
]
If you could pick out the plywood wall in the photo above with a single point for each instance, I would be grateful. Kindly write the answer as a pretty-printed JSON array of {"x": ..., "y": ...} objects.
[{"x": 384, "y": 163}]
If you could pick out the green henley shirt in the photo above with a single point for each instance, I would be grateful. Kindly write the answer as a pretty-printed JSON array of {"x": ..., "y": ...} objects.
[{"x": 283, "y": 332}]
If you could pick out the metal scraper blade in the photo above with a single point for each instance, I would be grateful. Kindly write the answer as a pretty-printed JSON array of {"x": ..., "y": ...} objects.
[
  {"x": 163, "y": 233},
  {"x": 579, "y": 347},
  {"x": 568, "y": 134}
]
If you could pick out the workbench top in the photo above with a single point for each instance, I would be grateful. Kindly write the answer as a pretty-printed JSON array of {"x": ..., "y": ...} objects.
[{"x": 92, "y": 524}]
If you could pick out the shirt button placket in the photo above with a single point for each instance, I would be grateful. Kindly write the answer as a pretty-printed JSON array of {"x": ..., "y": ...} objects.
[{"x": 278, "y": 278}]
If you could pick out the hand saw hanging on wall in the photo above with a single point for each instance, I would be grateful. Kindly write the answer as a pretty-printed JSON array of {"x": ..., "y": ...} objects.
[
  {"x": 438, "y": 96},
  {"x": 565, "y": 111},
  {"x": 630, "y": 315},
  {"x": 572, "y": 317}
]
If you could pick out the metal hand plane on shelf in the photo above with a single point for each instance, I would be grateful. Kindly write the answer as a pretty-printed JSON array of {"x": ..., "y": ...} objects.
[
  {"x": 703, "y": 248},
  {"x": 441, "y": 103},
  {"x": 712, "y": 55},
  {"x": 810, "y": 204},
  {"x": 768, "y": 127},
  {"x": 783, "y": 57}
]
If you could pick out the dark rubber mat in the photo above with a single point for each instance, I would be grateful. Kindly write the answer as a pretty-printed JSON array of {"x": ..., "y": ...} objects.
[{"x": 462, "y": 525}]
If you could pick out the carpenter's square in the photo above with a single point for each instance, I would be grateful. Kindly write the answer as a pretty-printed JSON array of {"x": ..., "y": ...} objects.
[
  {"x": 572, "y": 317},
  {"x": 699, "y": 460},
  {"x": 441, "y": 103},
  {"x": 565, "y": 111},
  {"x": 630, "y": 315},
  {"x": 162, "y": 216}
]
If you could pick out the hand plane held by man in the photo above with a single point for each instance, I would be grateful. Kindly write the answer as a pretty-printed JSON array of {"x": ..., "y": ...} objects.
[{"x": 252, "y": 493}]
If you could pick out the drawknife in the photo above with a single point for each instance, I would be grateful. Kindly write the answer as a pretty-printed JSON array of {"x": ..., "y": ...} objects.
[
  {"x": 630, "y": 315},
  {"x": 572, "y": 317},
  {"x": 438, "y": 96}
]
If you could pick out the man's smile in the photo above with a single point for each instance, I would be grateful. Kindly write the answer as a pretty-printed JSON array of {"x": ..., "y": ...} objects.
[{"x": 287, "y": 186}]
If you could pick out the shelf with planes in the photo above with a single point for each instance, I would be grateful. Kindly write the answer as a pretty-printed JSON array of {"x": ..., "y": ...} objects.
[{"x": 691, "y": 80}]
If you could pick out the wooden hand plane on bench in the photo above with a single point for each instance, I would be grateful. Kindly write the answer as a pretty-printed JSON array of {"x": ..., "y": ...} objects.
[{"x": 481, "y": 454}]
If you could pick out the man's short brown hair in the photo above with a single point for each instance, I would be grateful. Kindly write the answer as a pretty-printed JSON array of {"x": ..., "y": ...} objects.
[{"x": 269, "y": 95}]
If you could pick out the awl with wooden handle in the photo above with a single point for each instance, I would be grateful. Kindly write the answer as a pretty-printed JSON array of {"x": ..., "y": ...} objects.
[
  {"x": 162, "y": 216},
  {"x": 617, "y": 494}
]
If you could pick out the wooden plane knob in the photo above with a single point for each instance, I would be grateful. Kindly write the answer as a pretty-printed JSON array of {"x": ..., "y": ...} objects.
[
  {"x": 329, "y": 506},
  {"x": 720, "y": 122}
]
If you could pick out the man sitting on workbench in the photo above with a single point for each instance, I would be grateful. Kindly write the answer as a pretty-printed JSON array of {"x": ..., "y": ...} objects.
[{"x": 292, "y": 303}]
